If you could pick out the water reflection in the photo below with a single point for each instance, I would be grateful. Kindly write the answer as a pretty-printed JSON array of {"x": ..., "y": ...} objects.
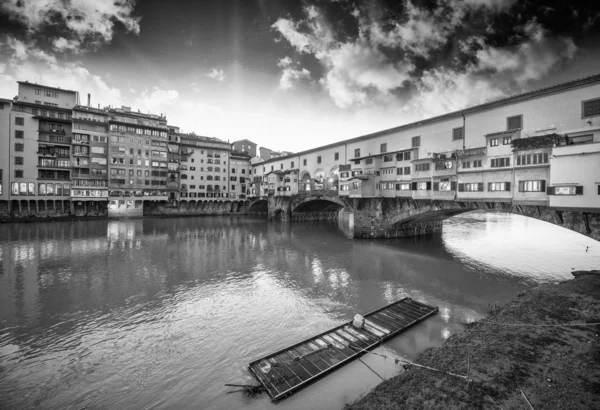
[{"x": 162, "y": 312}]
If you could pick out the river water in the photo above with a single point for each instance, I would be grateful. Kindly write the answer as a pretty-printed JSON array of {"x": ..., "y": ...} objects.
[{"x": 161, "y": 313}]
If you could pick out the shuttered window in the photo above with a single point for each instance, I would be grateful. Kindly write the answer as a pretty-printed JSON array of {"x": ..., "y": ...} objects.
[
  {"x": 514, "y": 122},
  {"x": 591, "y": 108},
  {"x": 457, "y": 133},
  {"x": 532, "y": 186}
]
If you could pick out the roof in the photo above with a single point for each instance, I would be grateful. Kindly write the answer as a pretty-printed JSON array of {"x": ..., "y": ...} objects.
[
  {"x": 46, "y": 87},
  {"x": 493, "y": 134},
  {"x": 456, "y": 114}
]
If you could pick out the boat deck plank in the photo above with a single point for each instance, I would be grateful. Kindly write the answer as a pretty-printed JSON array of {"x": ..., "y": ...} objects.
[{"x": 295, "y": 367}]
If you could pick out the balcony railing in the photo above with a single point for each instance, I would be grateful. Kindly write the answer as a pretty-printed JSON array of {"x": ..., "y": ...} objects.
[{"x": 471, "y": 152}]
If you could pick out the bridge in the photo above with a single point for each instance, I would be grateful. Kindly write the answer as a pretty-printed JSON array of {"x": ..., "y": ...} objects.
[{"x": 399, "y": 217}]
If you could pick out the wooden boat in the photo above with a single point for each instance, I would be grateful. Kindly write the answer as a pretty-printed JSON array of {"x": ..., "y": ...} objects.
[{"x": 290, "y": 369}]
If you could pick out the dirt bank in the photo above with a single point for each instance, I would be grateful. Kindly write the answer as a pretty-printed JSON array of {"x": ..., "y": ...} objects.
[{"x": 555, "y": 367}]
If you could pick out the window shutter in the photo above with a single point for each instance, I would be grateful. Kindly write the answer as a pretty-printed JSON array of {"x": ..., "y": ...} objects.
[
  {"x": 480, "y": 187},
  {"x": 522, "y": 186},
  {"x": 413, "y": 186},
  {"x": 453, "y": 186},
  {"x": 489, "y": 186},
  {"x": 550, "y": 190},
  {"x": 508, "y": 162},
  {"x": 429, "y": 185},
  {"x": 436, "y": 186},
  {"x": 578, "y": 190},
  {"x": 543, "y": 185},
  {"x": 461, "y": 187},
  {"x": 508, "y": 186}
]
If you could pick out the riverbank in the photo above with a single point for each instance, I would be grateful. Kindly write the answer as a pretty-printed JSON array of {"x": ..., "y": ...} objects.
[{"x": 555, "y": 367}]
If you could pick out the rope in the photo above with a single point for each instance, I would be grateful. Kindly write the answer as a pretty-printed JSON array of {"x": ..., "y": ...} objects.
[
  {"x": 410, "y": 363},
  {"x": 371, "y": 369}
]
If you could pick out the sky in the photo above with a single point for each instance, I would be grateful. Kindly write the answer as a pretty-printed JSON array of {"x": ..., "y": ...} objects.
[{"x": 290, "y": 74}]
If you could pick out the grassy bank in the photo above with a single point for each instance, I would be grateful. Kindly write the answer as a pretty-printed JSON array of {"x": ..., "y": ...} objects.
[{"x": 556, "y": 367}]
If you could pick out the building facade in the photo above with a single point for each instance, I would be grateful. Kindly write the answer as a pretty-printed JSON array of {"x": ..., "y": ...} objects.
[
  {"x": 40, "y": 150},
  {"x": 244, "y": 146},
  {"x": 89, "y": 152},
  {"x": 540, "y": 147}
]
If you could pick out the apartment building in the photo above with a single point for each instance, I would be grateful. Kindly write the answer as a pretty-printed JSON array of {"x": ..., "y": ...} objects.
[
  {"x": 540, "y": 147},
  {"x": 173, "y": 163},
  {"x": 89, "y": 154},
  {"x": 239, "y": 175},
  {"x": 245, "y": 147},
  {"x": 5, "y": 108},
  {"x": 137, "y": 155},
  {"x": 40, "y": 148},
  {"x": 204, "y": 168}
]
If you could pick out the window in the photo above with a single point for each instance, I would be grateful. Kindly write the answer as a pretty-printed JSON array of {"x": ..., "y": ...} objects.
[
  {"x": 590, "y": 108},
  {"x": 319, "y": 159},
  {"x": 406, "y": 170},
  {"x": 383, "y": 148},
  {"x": 19, "y": 121},
  {"x": 514, "y": 122},
  {"x": 19, "y": 134},
  {"x": 500, "y": 162},
  {"x": 457, "y": 133},
  {"x": 388, "y": 158},
  {"x": 565, "y": 190},
  {"x": 498, "y": 186},
  {"x": 304, "y": 162},
  {"x": 580, "y": 139},
  {"x": 423, "y": 186},
  {"x": 466, "y": 164},
  {"x": 357, "y": 153},
  {"x": 532, "y": 186},
  {"x": 416, "y": 142},
  {"x": 421, "y": 167},
  {"x": 291, "y": 166},
  {"x": 494, "y": 142},
  {"x": 471, "y": 187},
  {"x": 387, "y": 171},
  {"x": 355, "y": 185},
  {"x": 19, "y": 146},
  {"x": 403, "y": 187},
  {"x": 18, "y": 173},
  {"x": 399, "y": 171},
  {"x": 444, "y": 165},
  {"x": 528, "y": 159},
  {"x": 336, "y": 157},
  {"x": 477, "y": 163},
  {"x": 506, "y": 140},
  {"x": 18, "y": 160}
]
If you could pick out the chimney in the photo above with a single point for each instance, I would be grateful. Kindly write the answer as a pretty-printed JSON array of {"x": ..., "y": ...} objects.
[{"x": 89, "y": 99}]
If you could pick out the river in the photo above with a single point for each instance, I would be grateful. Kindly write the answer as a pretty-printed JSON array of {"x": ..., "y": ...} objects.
[{"x": 161, "y": 313}]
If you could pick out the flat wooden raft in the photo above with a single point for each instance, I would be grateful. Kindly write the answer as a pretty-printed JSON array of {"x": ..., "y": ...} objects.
[{"x": 301, "y": 364}]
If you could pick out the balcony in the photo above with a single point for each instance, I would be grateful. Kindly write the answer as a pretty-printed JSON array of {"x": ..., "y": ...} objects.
[
  {"x": 471, "y": 152},
  {"x": 55, "y": 139},
  {"x": 53, "y": 131}
]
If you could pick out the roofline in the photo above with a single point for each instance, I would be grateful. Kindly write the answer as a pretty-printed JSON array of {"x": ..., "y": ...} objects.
[
  {"x": 48, "y": 87},
  {"x": 540, "y": 92},
  {"x": 6, "y": 100}
]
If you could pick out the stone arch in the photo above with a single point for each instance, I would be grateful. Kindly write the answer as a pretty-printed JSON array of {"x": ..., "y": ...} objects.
[
  {"x": 259, "y": 206},
  {"x": 320, "y": 203}
]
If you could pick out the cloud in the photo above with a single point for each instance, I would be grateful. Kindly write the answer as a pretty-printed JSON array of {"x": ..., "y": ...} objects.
[
  {"x": 353, "y": 70},
  {"x": 424, "y": 61},
  {"x": 80, "y": 18},
  {"x": 156, "y": 99},
  {"x": 217, "y": 75},
  {"x": 291, "y": 75},
  {"x": 62, "y": 44},
  {"x": 530, "y": 60}
]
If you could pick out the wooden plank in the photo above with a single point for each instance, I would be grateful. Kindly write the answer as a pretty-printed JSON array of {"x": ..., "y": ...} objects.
[
  {"x": 391, "y": 318},
  {"x": 380, "y": 318}
]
